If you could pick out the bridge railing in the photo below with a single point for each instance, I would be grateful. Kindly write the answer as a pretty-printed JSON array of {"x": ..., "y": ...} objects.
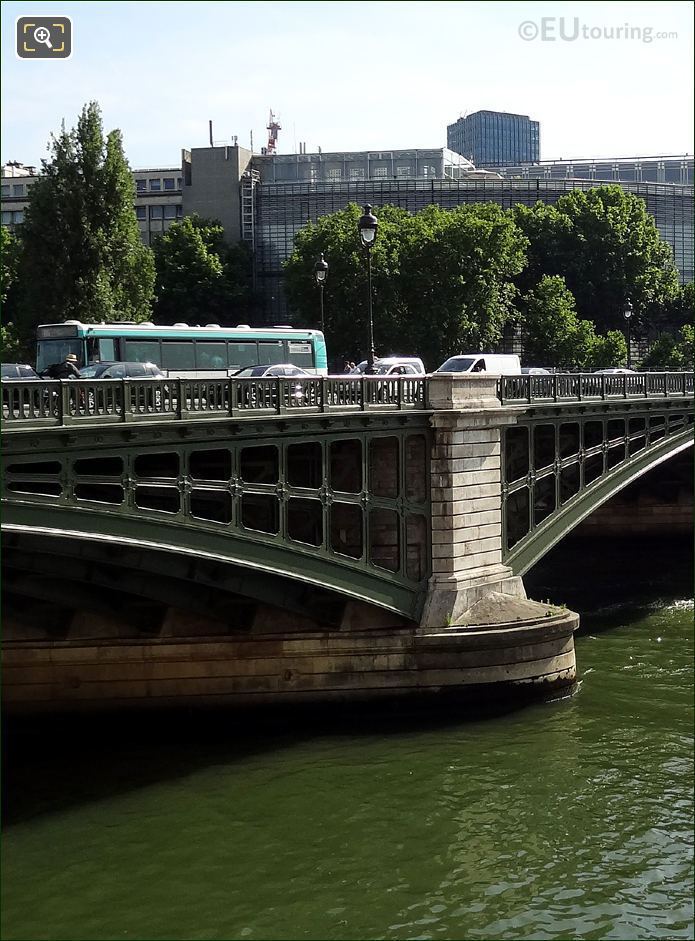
[
  {"x": 577, "y": 387},
  {"x": 28, "y": 403}
]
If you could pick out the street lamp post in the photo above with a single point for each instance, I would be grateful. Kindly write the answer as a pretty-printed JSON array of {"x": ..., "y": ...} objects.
[
  {"x": 627, "y": 314},
  {"x": 320, "y": 275},
  {"x": 367, "y": 227}
]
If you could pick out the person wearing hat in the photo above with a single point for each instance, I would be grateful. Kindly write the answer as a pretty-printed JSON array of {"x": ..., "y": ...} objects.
[{"x": 65, "y": 370}]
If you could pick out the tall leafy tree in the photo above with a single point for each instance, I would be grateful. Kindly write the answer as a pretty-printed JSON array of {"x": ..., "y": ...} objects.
[
  {"x": 336, "y": 236},
  {"x": 606, "y": 246},
  {"x": 456, "y": 270},
  {"x": 441, "y": 279},
  {"x": 681, "y": 309},
  {"x": 672, "y": 352},
  {"x": 554, "y": 335},
  {"x": 14, "y": 346},
  {"x": 82, "y": 255},
  {"x": 200, "y": 278},
  {"x": 9, "y": 259}
]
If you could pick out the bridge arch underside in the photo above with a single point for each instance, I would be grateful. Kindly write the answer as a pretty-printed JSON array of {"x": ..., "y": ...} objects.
[
  {"x": 59, "y": 586},
  {"x": 313, "y": 518},
  {"x": 558, "y": 468}
]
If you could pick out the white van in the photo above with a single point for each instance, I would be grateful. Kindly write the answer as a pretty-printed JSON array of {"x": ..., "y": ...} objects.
[{"x": 500, "y": 364}]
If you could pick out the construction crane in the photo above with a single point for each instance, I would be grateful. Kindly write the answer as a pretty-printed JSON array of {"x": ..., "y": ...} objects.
[{"x": 273, "y": 127}]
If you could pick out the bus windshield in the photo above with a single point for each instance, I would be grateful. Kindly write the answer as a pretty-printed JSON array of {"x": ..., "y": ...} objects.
[{"x": 49, "y": 352}]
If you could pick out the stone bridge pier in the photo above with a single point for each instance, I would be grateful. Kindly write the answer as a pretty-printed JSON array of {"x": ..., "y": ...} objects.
[{"x": 466, "y": 499}]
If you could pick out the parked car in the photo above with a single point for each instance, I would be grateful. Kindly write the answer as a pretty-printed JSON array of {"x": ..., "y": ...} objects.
[
  {"x": 392, "y": 366},
  {"x": 497, "y": 363},
  {"x": 121, "y": 371},
  {"x": 264, "y": 372},
  {"x": 534, "y": 371},
  {"x": 615, "y": 371},
  {"x": 251, "y": 397},
  {"x": 18, "y": 371}
]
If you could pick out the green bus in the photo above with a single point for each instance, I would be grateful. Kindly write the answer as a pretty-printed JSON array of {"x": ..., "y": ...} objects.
[{"x": 181, "y": 350}]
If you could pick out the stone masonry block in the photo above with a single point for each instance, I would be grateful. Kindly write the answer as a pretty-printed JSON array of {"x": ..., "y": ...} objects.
[
  {"x": 473, "y": 503},
  {"x": 473, "y": 546},
  {"x": 483, "y": 518},
  {"x": 482, "y": 449},
  {"x": 451, "y": 537},
  {"x": 463, "y": 563},
  {"x": 465, "y": 464},
  {"x": 472, "y": 479},
  {"x": 488, "y": 436},
  {"x": 461, "y": 509}
]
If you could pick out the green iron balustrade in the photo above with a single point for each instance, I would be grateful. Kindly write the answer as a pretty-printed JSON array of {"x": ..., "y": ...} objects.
[
  {"x": 56, "y": 402},
  {"x": 580, "y": 387},
  {"x": 26, "y": 403}
]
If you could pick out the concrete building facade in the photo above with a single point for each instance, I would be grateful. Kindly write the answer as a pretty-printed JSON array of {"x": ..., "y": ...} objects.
[{"x": 212, "y": 189}]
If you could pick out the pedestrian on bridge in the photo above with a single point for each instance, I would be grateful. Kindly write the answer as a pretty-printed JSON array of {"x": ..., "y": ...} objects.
[{"x": 65, "y": 370}]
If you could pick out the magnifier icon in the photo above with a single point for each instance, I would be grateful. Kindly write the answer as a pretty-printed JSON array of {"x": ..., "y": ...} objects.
[{"x": 43, "y": 35}]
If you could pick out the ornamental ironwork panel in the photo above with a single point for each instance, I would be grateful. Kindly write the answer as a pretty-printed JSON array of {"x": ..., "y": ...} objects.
[
  {"x": 558, "y": 461},
  {"x": 359, "y": 500}
]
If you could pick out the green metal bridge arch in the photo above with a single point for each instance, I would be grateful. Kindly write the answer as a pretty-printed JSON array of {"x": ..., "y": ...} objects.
[
  {"x": 562, "y": 462},
  {"x": 339, "y": 504}
]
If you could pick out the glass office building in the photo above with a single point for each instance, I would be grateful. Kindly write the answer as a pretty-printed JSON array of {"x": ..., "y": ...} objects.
[{"x": 495, "y": 138}]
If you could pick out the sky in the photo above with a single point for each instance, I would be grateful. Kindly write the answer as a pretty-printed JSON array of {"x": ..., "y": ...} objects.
[{"x": 356, "y": 75}]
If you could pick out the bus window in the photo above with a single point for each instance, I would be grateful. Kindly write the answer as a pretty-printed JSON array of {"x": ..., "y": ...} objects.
[
  {"x": 300, "y": 353},
  {"x": 212, "y": 355},
  {"x": 271, "y": 352},
  {"x": 142, "y": 351},
  {"x": 177, "y": 355},
  {"x": 242, "y": 354},
  {"x": 107, "y": 351}
]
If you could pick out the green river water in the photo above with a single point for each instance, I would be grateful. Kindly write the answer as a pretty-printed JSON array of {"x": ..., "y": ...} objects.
[{"x": 564, "y": 819}]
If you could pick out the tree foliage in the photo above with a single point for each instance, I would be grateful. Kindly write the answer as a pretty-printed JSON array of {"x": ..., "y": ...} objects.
[
  {"x": 15, "y": 346},
  {"x": 449, "y": 280},
  {"x": 12, "y": 346},
  {"x": 441, "y": 279},
  {"x": 556, "y": 336},
  {"x": 608, "y": 350},
  {"x": 199, "y": 277},
  {"x": 679, "y": 311},
  {"x": 82, "y": 256},
  {"x": 9, "y": 254},
  {"x": 606, "y": 246},
  {"x": 672, "y": 352}
]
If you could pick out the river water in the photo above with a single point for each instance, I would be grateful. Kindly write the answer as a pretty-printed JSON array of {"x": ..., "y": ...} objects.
[{"x": 564, "y": 819}]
